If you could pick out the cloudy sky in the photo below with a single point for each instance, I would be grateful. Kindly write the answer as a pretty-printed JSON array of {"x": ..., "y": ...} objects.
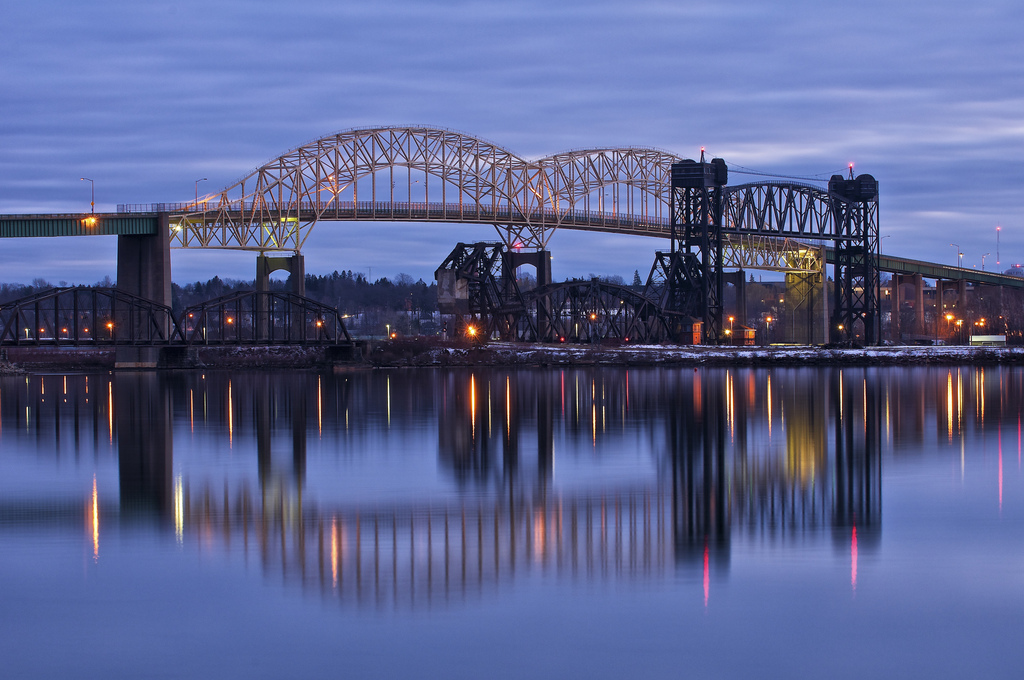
[{"x": 147, "y": 97}]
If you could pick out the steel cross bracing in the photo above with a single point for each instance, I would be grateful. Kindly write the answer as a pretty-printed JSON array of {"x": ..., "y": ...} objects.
[{"x": 748, "y": 251}]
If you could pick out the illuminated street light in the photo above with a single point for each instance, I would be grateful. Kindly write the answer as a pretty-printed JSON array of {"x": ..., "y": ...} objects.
[
  {"x": 959, "y": 254},
  {"x": 197, "y": 188},
  {"x": 92, "y": 202}
]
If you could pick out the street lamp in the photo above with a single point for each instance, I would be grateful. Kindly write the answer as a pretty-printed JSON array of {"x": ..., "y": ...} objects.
[
  {"x": 983, "y": 260},
  {"x": 959, "y": 255},
  {"x": 197, "y": 189},
  {"x": 92, "y": 202}
]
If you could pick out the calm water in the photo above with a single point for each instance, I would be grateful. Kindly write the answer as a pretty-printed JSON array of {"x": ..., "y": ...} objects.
[{"x": 513, "y": 524}]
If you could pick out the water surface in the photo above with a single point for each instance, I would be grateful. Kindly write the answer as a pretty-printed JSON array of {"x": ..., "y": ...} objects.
[{"x": 513, "y": 523}]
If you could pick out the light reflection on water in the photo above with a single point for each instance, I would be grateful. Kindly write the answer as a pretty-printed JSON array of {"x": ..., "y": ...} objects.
[{"x": 409, "y": 490}]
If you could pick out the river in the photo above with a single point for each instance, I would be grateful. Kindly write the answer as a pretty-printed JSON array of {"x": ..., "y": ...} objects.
[{"x": 513, "y": 523}]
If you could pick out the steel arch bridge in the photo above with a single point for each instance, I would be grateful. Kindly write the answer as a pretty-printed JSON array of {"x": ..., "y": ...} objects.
[{"x": 425, "y": 174}]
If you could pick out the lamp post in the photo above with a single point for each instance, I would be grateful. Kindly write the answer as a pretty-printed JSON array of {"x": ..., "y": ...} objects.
[
  {"x": 197, "y": 190},
  {"x": 959, "y": 255},
  {"x": 92, "y": 201},
  {"x": 983, "y": 260}
]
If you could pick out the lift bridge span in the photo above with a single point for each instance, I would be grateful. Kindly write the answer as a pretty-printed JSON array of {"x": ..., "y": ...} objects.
[{"x": 425, "y": 174}]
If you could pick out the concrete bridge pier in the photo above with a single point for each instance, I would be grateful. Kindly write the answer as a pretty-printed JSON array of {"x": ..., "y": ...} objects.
[
  {"x": 295, "y": 265},
  {"x": 806, "y": 308},
  {"x": 541, "y": 261},
  {"x": 144, "y": 269},
  {"x": 942, "y": 307},
  {"x": 914, "y": 325},
  {"x": 739, "y": 284}
]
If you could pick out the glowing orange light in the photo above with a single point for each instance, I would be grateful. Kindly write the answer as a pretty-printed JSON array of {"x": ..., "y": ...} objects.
[
  {"x": 394, "y": 335},
  {"x": 231, "y": 320},
  {"x": 319, "y": 323},
  {"x": 94, "y": 516},
  {"x": 471, "y": 331}
]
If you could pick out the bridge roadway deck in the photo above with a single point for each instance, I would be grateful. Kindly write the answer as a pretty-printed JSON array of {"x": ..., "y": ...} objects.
[{"x": 142, "y": 220}]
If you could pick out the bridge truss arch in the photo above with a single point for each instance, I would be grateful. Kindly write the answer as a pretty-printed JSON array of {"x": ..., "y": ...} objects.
[{"x": 429, "y": 175}]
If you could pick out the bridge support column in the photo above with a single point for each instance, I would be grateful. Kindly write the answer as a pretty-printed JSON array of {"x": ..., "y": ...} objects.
[
  {"x": 803, "y": 297},
  {"x": 144, "y": 269},
  {"x": 739, "y": 314},
  {"x": 295, "y": 265},
  {"x": 899, "y": 299},
  {"x": 144, "y": 263},
  {"x": 541, "y": 261},
  {"x": 896, "y": 308},
  {"x": 918, "y": 304}
]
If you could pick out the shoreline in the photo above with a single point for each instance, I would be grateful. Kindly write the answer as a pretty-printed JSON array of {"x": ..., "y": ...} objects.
[{"x": 432, "y": 354}]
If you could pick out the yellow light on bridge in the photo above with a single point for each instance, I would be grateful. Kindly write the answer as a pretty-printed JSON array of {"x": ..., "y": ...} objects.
[{"x": 471, "y": 331}]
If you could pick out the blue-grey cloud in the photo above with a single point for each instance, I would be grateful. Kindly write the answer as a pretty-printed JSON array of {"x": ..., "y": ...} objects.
[{"x": 148, "y": 97}]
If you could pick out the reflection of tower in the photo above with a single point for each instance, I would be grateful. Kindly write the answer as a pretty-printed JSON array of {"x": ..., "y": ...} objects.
[
  {"x": 806, "y": 446},
  {"x": 465, "y": 427},
  {"x": 267, "y": 398},
  {"x": 857, "y": 495},
  {"x": 545, "y": 431},
  {"x": 481, "y": 421},
  {"x": 144, "y": 443},
  {"x": 700, "y": 503}
]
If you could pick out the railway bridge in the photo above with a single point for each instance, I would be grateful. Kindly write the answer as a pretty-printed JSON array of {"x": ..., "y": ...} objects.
[{"x": 435, "y": 175}]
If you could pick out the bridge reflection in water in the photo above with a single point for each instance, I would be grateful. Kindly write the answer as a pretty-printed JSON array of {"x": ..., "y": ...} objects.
[{"x": 780, "y": 456}]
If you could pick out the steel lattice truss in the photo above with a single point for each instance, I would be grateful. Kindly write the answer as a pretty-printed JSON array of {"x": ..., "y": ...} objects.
[
  {"x": 751, "y": 251},
  {"x": 595, "y": 311},
  {"x": 437, "y": 175},
  {"x": 477, "y": 285},
  {"x": 781, "y": 209},
  {"x": 85, "y": 316},
  {"x": 262, "y": 317},
  {"x": 431, "y": 175}
]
